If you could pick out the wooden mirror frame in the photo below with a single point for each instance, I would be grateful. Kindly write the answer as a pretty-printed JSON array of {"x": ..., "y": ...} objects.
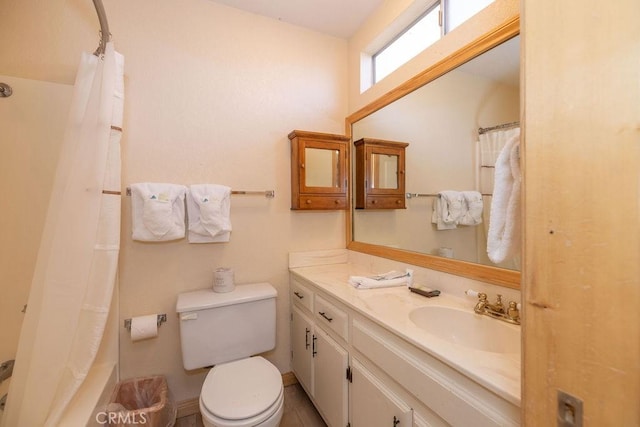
[{"x": 485, "y": 273}]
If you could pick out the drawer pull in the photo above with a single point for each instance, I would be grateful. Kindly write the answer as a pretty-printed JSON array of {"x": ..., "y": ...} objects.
[
  {"x": 306, "y": 338},
  {"x": 322, "y": 313},
  {"x": 298, "y": 295},
  {"x": 313, "y": 349}
]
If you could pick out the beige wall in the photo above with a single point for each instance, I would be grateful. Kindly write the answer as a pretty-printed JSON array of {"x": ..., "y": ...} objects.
[
  {"x": 582, "y": 228},
  {"x": 211, "y": 94}
]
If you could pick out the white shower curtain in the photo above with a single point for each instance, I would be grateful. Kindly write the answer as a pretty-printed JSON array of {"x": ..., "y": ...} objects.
[
  {"x": 77, "y": 261},
  {"x": 490, "y": 145}
]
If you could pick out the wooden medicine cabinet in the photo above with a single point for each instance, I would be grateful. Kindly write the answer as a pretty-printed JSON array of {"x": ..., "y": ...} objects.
[
  {"x": 318, "y": 170},
  {"x": 380, "y": 177}
]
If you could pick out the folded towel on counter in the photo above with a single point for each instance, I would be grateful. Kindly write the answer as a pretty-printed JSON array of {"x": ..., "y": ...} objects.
[
  {"x": 473, "y": 208},
  {"x": 157, "y": 212},
  {"x": 503, "y": 239},
  {"x": 208, "y": 207},
  {"x": 386, "y": 280}
]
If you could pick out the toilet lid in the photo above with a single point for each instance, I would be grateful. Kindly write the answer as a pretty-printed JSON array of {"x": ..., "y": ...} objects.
[{"x": 241, "y": 389}]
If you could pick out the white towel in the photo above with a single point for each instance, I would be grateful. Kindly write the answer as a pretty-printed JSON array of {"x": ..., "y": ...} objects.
[
  {"x": 209, "y": 206},
  {"x": 387, "y": 280},
  {"x": 473, "y": 206},
  {"x": 448, "y": 208},
  {"x": 503, "y": 239},
  {"x": 157, "y": 211}
]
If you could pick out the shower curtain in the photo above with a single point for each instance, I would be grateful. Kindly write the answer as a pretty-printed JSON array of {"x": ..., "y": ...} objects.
[
  {"x": 76, "y": 268},
  {"x": 489, "y": 146}
]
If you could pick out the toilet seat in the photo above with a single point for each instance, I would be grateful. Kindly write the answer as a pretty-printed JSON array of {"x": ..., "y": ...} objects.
[{"x": 241, "y": 393}]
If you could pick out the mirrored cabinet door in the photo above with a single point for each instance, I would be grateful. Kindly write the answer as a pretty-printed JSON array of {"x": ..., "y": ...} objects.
[
  {"x": 318, "y": 170},
  {"x": 379, "y": 174}
]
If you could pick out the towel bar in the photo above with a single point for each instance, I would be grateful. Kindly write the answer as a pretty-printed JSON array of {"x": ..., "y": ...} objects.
[
  {"x": 269, "y": 194},
  {"x": 412, "y": 195}
]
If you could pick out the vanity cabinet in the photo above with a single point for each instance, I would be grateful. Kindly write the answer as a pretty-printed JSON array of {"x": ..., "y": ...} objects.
[
  {"x": 360, "y": 374},
  {"x": 379, "y": 174},
  {"x": 372, "y": 403},
  {"x": 318, "y": 360},
  {"x": 318, "y": 170}
]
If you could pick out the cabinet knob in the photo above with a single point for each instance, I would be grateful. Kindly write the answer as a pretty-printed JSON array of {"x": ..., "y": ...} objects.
[
  {"x": 398, "y": 202},
  {"x": 373, "y": 202},
  {"x": 308, "y": 201},
  {"x": 337, "y": 202}
]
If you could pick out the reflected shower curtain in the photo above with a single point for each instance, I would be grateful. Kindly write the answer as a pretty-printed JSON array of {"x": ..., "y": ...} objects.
[
  {"x": 490, "y": 145},
  {"x": 77, "y": 261}
]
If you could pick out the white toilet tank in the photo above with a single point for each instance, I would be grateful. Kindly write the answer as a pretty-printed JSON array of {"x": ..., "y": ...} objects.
[{"x": 221, "y": 327}]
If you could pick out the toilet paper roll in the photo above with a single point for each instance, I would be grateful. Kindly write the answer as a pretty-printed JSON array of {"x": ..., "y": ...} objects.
[
  {"x": 445, "y": 252},
  {"x": 223, "y": 280},
  {"x": 144, "y": 327}
]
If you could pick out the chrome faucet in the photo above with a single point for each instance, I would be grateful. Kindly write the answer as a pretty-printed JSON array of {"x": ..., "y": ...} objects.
[{"x": 511, "y": 314}]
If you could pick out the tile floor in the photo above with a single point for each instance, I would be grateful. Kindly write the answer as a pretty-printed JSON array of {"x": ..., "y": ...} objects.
[{"x": 298, "y": 411}]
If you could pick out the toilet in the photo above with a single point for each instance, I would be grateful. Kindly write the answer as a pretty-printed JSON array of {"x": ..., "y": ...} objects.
[{"x": 226, "y": 331}]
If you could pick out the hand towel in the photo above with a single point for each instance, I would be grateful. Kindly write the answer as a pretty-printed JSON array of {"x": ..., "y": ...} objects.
[
  {"x": 208, "y": 207},
  {"x": 473, "y": 208},
  {"x": 387, "y": 280},
  {"x": 448, "y": 208},
  {"x": 157, "y": 212},
  {"x": 503, "y": 239}
]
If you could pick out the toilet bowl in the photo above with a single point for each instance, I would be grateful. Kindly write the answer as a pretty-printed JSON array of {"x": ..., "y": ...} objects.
[{"x": 242, "y": 393}]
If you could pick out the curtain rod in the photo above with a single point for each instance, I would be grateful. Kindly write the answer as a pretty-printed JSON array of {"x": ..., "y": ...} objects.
[
  {"x": 502, "y": 126},
  {"x": 105, "y": 35}
]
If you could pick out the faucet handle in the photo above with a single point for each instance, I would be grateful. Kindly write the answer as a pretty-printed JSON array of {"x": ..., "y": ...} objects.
[
  {"x": 481, "y": 304},
  {"x": 513, "y": 313}
]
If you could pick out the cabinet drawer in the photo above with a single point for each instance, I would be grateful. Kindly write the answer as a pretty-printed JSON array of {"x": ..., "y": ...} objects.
[
  {"x": 385, "y": 202},
  {"x": 328, "y": 315},
  {"x": 302, "y": 295},
  {"x": 322, "y": 202}
]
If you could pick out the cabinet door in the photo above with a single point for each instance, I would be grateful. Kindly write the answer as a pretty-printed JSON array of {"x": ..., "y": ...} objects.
[
  {"x": 374, "y": 404},
  {"x": 330, "y": 392},
  {"x": 301, "y": 348}
]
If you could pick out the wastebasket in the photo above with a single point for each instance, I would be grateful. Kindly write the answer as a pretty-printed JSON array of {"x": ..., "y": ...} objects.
[{"x": 143, "y": 401}]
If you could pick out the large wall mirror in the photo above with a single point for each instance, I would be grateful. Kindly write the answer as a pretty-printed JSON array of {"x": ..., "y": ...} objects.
[{"x": 439, "y": 113}]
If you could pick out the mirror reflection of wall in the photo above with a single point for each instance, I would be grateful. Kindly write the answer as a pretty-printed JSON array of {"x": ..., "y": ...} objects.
[
  {"x": 384, "y": 168},
  {"x": 322, "y": 167},
  {"x": 440, "y": 120}
]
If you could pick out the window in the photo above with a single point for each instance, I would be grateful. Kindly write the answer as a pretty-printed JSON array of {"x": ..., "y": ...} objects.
[
  {"x": 422, "y": 33},
  {"x": 414, "y": 39}
]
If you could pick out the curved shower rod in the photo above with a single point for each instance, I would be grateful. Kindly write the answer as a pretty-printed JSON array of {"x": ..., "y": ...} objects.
[{"x": 105, "y": 35}]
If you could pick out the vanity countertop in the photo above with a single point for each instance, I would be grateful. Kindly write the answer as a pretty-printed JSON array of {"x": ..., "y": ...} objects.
[{"x": 390, "y": 308}]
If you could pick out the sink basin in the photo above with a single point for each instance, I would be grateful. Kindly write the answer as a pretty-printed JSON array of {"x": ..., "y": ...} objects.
[{"x": 468, "y": 329}]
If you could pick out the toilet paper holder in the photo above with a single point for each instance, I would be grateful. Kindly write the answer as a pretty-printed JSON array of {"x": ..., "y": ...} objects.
[{"x": 161, "y": 319}]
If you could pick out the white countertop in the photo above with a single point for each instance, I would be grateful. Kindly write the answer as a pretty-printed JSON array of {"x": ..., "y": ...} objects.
[{"x": 390, "y": 308}]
